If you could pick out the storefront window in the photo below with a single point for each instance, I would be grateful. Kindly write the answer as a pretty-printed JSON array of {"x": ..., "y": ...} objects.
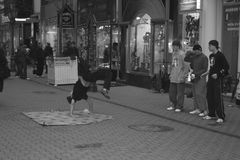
[
  {"x": 140, "y": 39},
  {"x": 103, "y": 44},
  {"x": 67, "y": 36},
  {"x": 159, "y": 47},
  {"x": 82, "y": 39},
  {"x": 103, "y": 54},
  {"x": 190, "y": 29}
]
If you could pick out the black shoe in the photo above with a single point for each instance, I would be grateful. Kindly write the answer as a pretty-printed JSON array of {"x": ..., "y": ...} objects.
[
  {"x": 69, "y": 99},
  {"x": 105, "y": 93}
]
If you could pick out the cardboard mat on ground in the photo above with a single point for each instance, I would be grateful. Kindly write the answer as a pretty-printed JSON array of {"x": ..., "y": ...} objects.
[{"x": 62, "y": 118}]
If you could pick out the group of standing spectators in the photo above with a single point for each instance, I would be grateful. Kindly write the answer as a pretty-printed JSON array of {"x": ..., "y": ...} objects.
[
  {"x": 206, "y": 80},
  {"x": 34, "y": 55}
]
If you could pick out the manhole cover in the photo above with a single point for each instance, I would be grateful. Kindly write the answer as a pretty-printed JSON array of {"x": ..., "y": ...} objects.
[
  {"x": 150, "y": 128},
  {"x": 89, "y": 146},
  {"x": 44, "y": 92}
]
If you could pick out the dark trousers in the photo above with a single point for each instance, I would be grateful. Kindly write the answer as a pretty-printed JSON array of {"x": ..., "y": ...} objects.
[
  {"x": 1, "y": 84},
  {"x": 214, "y": 98},
  {"x": 18, "y": 68},
  {"x": 23, "y": 69},
  {"x": 100, "y": 74},
  {"x": 40, "y": 66}
]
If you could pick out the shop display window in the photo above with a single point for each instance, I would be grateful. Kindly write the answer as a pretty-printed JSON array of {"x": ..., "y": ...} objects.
[
  {"x": 82, "y": 39},
  {"x": 67, "y": 36},
  {"x": 159, "y": 47},
  {"x": 190, "y": 29},
  {"x": 103, "y": 55},
  {"x": 103, "y": 44},
  {"x": 140, "y": 42}
]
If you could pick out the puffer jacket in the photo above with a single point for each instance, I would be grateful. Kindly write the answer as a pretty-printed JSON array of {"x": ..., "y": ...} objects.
[{"x": 179, "y": 67}]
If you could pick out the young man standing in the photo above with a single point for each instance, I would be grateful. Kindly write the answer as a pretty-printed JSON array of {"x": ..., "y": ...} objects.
[
  {"x": 178, "y": 73},
  {"x": 199, "y": 65},
  {"x": 218, "y": 68}
]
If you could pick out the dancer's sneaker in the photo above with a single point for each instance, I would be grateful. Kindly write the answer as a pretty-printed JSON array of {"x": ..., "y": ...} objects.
[
  {"x": 105, "y": 93},
  {"x": 69, "y": 99}
]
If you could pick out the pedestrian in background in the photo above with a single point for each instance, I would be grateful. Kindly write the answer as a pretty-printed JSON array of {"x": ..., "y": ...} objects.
[
  {"x": 3, "y": 63},
  {"x": 179, "y": 69},
  {"x": 40, "y": 60},
  {"x": 22, "y": 60},
  {"x": 74, "y": 51},
  {"x": 218, "y": 69},
  {"x": 48, "y": 52},
  {"x": 199, "y": 66}
]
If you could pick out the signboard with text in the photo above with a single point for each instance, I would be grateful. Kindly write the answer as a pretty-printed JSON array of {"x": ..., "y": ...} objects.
[
  {"x": 66, "y": 17},
  {"x": 231, "y": 17}
]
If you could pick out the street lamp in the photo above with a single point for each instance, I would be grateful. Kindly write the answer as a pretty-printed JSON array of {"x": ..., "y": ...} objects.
[{"x": 12, "y": 15}]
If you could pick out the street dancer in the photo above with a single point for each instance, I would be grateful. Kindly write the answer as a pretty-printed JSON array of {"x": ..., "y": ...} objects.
[
  {"x": 86, "y": 77},
  {"x": 91, "y": 75},
  {"x": 80, "y": 92},
  {"x": 218, "y": 69}
]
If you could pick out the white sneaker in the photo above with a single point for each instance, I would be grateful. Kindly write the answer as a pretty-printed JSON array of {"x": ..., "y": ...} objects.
[
  {"x": 207, "y": 117},
  {"x": 219, "y": 120},
  {"x": 170, "y": 108},
  {"x": 196, "y": 111},
  {"x": 202, "y": 114},
  {"x": 86, "y": 111},
  {"x": 178, "y": 110}
]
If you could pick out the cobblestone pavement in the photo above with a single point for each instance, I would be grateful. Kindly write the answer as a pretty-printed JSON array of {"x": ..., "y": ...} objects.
[{"x": 188, "y": 137}]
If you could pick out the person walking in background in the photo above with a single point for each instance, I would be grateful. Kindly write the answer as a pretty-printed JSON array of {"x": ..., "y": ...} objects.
[
  {"x": 48, "y": 52},
  {"x": 22, "y": 60},
  {"x": 74, "y": 50},
  {"x": 3, "y": 63},
  {"x": 40, "y": 60},
  {"x": 179, "y": 69},
  {"x": 218, "y": 69},
  {"x": 199, "y": 65}
]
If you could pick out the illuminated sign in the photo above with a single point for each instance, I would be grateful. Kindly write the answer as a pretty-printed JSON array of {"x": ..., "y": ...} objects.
[{"x": 189, "y": 5}]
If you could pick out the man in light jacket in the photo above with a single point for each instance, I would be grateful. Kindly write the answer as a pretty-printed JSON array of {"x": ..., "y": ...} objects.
[{"x": 179, "y": 69}]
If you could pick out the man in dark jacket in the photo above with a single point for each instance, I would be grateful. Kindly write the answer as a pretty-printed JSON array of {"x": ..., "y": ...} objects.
[
  {"x": 22, "y": 60},
  {"x": 48, "y": 52},
  {"x": 39, "y": 59},
  {"x": 199, "y": 66},
  {"x": 218, "y": 69},
  {"x": 3, "y": 63}
]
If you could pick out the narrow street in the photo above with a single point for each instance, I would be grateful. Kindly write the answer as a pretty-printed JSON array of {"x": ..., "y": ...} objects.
[{"x": 141, "y": 127}]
